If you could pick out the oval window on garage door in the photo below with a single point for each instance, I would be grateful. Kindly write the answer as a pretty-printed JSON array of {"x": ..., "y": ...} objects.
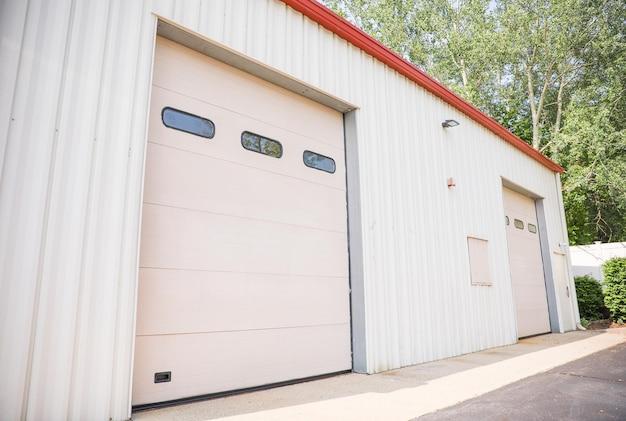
[
  {"x": 263, "y": 145},
  {"x": 187, "y": 122},
  {"x": 319, "y": 162}
]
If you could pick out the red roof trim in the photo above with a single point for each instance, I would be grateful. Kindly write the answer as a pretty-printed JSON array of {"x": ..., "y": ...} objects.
[{"x": 344, "y": 29}]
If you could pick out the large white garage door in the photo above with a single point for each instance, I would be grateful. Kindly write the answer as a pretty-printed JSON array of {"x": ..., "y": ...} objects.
[
  {"x": 244, "y": 260},
  {"x": 529, "y": 287}
]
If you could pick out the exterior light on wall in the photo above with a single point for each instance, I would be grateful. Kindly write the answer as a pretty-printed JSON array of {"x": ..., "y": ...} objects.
[
  {"x": 451, "y": 183},
  {"x": 449, "y": 123}
]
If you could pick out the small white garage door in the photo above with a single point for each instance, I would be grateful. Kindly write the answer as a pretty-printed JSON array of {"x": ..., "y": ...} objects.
[
  {"x": 244, "y": 259},
  {"x": 526, "y": 264}
]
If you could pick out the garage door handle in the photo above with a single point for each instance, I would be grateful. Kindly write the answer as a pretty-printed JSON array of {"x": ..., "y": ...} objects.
[{"x": 567, "y": 290}]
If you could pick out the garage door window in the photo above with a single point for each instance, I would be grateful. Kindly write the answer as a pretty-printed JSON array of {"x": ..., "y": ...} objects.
[
  {"x": 319, "y": 162},
  {"x": 518, "y": 224},
  {"x": 532, "y": 228},
  {"x": 188, "y": 123},
  {"x": 256, "y": 143}
]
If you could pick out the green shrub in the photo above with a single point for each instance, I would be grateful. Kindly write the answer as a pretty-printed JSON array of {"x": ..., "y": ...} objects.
[
  {"x": 615, "y": 288},
  {"x": 590, "y": 298}
]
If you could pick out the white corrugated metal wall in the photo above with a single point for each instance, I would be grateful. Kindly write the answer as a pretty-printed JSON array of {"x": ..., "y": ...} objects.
[{"x": 74, "y": 90}]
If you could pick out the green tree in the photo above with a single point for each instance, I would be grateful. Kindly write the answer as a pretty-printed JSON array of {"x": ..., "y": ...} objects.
[
  {"x": 615, "y": 288},
  {"x": 592, "y": 142},
  {"x": 552, "y": 71},
  {"x": 545, "y": 41},
  {"x": 457, "y": 42},
  {"x": 593, "y": 150},
  {"x": 590, "y": 298}
]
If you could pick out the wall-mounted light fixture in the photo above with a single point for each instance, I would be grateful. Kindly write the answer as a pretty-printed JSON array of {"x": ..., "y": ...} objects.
[
  {"x": 449, "y": 123},
  {"x": 451, "y": 183}
]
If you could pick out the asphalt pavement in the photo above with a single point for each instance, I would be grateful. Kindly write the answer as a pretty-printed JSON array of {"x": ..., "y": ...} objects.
[{"x": 591, "y": 388}]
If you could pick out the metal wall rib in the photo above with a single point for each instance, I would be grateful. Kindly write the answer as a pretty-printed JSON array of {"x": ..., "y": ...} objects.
[{"x": 74, "y": 90}]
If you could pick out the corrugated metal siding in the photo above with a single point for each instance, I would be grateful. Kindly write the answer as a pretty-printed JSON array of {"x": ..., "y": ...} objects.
[{"x": 74, "y": 87}]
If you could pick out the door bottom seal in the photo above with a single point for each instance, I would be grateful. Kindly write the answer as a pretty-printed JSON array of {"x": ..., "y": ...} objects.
[{"x": 209, "y": 396}]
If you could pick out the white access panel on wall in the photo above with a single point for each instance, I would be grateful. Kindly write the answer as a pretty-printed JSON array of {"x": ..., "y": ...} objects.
[
  {"x": 526, "y": 264},
  {"x": 243, "y": 275}
]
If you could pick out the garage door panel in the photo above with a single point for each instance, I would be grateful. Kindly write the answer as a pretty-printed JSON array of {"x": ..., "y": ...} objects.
[
  {"x": 534, "y": 318},
  {"x": 226, "y": 144},
  {"x": 525, "y": 292},
  {"x": 178, "y": 178},
  {"x": 217, "y": 83},
  {"x": 528, "y": 272},
  {"x": 527, "y": 281},
  {"x": 520, "y": 205},
  {"x": 236, "y": 360},
  {"x": 182, "y": 301},
  {"x": 183, "y": 239}
]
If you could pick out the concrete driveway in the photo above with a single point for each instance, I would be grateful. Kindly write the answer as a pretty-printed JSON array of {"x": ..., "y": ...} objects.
[
  {"x": 418, "y": 390},
  {"x": 592, "y": 388}
]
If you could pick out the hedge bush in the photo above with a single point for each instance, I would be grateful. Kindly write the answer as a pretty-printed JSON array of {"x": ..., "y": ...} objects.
[
  {"x": 590, "y": 298},
  {"x": 615, "y": 288}
]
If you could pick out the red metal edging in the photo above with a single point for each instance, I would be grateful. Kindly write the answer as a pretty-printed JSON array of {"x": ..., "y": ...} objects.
[{"x": 344, "y": 29}]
